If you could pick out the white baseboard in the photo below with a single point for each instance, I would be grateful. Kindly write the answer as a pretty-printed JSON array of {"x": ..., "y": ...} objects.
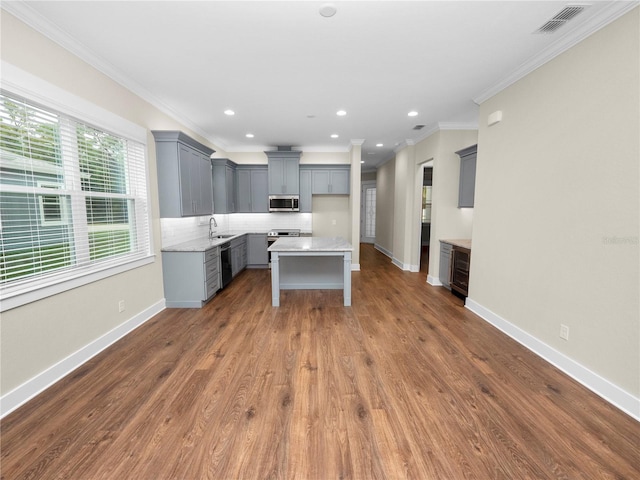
[
  {"x": 383, "y": 250},
  {"x": 594, "y": 382},
  {"x": 355, "y": 267},
  {"x": 28, "y": 390},
  {"x": 435, "y": 281}
]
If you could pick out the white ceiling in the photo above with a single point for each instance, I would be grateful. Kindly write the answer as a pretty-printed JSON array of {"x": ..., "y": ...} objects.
[{"x": 276, "y": 64}]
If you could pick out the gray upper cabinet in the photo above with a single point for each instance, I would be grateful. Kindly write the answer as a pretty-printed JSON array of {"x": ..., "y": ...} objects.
[
  {"x": 185, "y": 186},
  {"x": 330, "y": 181},
  {"x": 284, "y": 172},
  {"x": 252, "y": 191},
  {"x": 224, "y": 185},
  {"x": 467, "y": 186},
  {"x": 305, "y": 191}
]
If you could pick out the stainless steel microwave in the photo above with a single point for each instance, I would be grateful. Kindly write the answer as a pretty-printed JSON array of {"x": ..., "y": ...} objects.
[{"x": 284, "y": 203}]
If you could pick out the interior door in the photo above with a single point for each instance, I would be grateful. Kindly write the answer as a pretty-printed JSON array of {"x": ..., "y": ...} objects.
[{"x": 368, "y": 212}]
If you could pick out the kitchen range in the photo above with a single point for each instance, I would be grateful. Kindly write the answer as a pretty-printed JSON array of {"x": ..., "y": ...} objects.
[{"x": 274, "y": 235}]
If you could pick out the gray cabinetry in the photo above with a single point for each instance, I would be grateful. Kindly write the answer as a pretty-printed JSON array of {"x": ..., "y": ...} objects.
[
  {"x": 252, "y": 191},
  {"x": 332, "y": 181},
  {"x": 467, "y": 185},
  {"x": 445, "y": 263},
  {"x": 284, "y": 173},
  {"x": 224, "y": 185},
  {"x": 190, "y": 278},
  {"x": 257, "y": 254},
  {"x": 238, "y": 255},
  {"x": 184, "y": 175},
  {"x": 305, "y": 203}
]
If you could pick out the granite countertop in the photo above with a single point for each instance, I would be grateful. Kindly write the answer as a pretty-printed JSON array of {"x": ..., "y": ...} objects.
[
  {"x": 204, "y": 244},
  {"x": 464, "y": 242},
  {"x": 311, "y": 244}
]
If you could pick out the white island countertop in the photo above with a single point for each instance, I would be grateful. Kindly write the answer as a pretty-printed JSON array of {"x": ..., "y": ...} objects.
[{"x": 311, "y": 244}]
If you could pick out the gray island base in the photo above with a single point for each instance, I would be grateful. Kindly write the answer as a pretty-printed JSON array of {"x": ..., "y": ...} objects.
[{"x": 310, "y": 263}]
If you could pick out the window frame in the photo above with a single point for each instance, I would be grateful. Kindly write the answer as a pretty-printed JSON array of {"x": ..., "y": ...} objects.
[{"x": 19, "y": 83}]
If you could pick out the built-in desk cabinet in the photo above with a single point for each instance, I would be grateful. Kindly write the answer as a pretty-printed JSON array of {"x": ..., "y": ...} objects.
[
  {"x": 184, "y": 175},
  {"x": 190, "y": 279}
]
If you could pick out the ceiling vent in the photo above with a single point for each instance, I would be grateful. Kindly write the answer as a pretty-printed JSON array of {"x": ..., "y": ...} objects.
[
  {"x": 567, "y": 13},
  {"x": 418, "y": 127}
]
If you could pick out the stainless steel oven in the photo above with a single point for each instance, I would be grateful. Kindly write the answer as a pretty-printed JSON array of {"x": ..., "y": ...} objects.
[{"x": 274, "y": 235}]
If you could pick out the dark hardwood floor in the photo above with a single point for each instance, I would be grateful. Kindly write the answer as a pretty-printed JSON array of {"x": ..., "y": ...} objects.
[{"x": 407, "y": 383}]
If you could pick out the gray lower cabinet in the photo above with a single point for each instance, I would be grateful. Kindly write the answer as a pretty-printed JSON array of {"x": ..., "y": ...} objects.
[
  {"x": 190, "y": 278},
  {"x": 467, "y": 183},
  {"x": 184, "y": 175},
  {"x": 238, "y": 255},
  {"x": 445, "y": 263},
  {"x": 257, "y": 254},
  {"x": 224, "y": 185},
  {"x": 305, "y": 204},
  {"x": 330, "y": 181},
  {"x": 252, "y": 193}
]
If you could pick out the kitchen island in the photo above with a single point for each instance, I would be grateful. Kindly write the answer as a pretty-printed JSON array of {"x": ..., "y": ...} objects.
[{"x": 310, "y": 263}]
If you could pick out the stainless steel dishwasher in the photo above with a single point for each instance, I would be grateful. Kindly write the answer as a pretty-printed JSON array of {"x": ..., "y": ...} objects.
[{"x": 225, "y": 264}]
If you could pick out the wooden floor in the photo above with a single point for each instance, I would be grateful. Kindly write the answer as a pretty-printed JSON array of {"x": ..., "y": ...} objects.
[{"x": 407, "y": 383}]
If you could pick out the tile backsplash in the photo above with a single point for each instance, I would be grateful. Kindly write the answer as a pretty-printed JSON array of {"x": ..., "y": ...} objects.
[{"x": 178, "y": 230}]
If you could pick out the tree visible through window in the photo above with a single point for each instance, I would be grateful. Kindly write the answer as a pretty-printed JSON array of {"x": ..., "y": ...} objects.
[{"x": 71, "y": 194}]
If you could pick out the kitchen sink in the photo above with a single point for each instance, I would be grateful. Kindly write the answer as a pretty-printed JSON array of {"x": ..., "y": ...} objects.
[{"x": 217, "y": 237}]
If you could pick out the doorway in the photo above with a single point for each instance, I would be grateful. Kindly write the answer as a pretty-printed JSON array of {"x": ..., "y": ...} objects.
[
  {"x": 368, "y": 212},
  {"x": 425, "y": 215}
]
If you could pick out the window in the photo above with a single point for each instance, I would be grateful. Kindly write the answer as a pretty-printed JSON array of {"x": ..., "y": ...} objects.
[
  {"x": 426, "y": 204},
  {"x": 73, "y": 197}
]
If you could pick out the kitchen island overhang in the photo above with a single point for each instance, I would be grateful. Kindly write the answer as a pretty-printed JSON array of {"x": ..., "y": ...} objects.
[{"x": 310, "y": 263}]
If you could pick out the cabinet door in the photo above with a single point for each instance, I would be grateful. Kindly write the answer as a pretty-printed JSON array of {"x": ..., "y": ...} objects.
[
  {"x": 445, "y": 264},
  {"x": 230, "y": 180},
  {"x": 467, "y": 187},
  {"x": 184, "y": 159},
  {"x": 276, "y": 176},
  {"x": 305, "y": 191},
  {"x": 257, "y": 249},
  {"x": 204, "y": 205},
  {"x": 244, "y": 193},
  {"x": 291, "y": 176},
  {"x": 339, "y": 182},
  {"x": 320, "y": 182},
  {"x": 259, "y": 191}
]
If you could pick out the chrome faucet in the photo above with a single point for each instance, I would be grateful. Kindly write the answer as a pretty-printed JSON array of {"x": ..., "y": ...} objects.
[{"x": 215, "y": 224}]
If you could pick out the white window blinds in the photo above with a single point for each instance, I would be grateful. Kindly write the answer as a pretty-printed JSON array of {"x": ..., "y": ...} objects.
[{"x": 73, "y": 197}]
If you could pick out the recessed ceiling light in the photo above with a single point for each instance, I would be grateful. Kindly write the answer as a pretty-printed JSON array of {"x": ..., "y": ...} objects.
[
  {"x": 379, "y": 145},
  {"x": 334, "y": 135},
  {"x": 328, "y": 10},
  {"x": 341, "y": 113},
  {"x": 361, "y": 161},
  {"x": 249, "y": 135},
  {"x": 412, "y": 113},
  {"x": 229, "y": 112}
]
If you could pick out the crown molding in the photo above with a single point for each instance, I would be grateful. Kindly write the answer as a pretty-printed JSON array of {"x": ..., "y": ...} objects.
[
  {"x": 608, "y": 14},
  {"x": 356, "y": 141},
  {"x": 26, "y": 14}
]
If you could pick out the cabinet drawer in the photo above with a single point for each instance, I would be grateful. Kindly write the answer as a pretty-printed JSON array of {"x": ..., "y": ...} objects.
[
  {"x": 212, "y": 284},
  {"x": 211, "y": 254},
  {"x": 211, "y": 268}
]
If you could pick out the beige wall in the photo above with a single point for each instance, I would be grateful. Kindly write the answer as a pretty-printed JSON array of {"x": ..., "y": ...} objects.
[
  {"x": 385, "y": 194},
  {"x": 555, "y": 234},
  {"x": 328, "y": 209},
  {"x": 38, "y": 335}
]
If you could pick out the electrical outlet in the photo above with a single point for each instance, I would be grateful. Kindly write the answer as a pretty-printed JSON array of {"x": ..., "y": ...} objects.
[
  {"x": 333, "y": 222},
  {"x": 121, "y": 306},
  {"x": 564, "y": 332}
]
